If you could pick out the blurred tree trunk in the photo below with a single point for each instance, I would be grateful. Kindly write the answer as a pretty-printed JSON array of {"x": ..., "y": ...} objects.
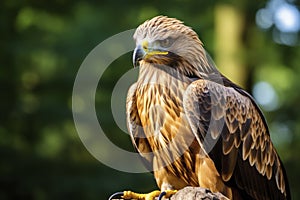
[{"x": 229, "y": 22}]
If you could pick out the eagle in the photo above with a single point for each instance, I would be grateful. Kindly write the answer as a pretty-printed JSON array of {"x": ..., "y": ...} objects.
[{"x": 191, "y": 125}]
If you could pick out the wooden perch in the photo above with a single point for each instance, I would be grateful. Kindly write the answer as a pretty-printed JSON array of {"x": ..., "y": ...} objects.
[{"x": 197, "y": 193}]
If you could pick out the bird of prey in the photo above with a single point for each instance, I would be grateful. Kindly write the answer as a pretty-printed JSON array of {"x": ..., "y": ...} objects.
[{"x": 194, "y": 127}]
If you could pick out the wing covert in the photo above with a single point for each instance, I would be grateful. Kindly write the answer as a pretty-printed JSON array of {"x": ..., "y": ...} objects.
[{"x": 232, "y": 130}]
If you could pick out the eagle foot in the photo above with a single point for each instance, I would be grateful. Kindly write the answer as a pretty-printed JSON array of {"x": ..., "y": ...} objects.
[{"x": 149, "y": 196}]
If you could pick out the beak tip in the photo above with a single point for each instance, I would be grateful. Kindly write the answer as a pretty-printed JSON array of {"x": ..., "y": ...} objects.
[{"x": 138, "y": 55}]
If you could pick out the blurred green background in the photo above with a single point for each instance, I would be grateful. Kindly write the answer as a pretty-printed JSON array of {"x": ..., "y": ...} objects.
[{"x": 42, "y": 45}]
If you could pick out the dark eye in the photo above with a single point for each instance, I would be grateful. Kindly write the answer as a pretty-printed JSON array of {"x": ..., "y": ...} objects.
[{"x": 166, "y": 42}]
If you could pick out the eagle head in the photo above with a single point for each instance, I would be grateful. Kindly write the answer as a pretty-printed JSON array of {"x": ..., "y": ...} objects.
[{"x": 167, "y": 41}]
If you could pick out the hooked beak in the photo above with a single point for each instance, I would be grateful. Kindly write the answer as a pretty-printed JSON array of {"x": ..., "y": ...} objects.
[
  {"x": 143, "y": 51},
  {"x": 138, "y": 55}
]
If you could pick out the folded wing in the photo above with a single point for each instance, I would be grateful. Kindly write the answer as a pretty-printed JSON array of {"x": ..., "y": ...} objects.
[{"x": 231, "y": 128}]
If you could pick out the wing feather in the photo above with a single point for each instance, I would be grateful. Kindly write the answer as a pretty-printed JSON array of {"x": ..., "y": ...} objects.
[
  {"x": 243, "y": 152},
  {"x": 136, "y": 130}
]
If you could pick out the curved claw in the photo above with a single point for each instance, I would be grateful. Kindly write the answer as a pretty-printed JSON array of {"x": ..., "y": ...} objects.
[
  {"x": 161, "y": 195},
  {"x": 116, "y": 195},
  {"x": 167, "y": 194}
]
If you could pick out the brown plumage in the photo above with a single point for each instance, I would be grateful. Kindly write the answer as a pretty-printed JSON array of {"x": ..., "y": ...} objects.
[{"x": 191, "y": 125}]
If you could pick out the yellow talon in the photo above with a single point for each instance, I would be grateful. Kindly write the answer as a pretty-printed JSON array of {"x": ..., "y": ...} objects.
[
  {"x": 169, "y": 193},
  {"x": 148, "y": 196},
  {"x": 133, "y": 195}
]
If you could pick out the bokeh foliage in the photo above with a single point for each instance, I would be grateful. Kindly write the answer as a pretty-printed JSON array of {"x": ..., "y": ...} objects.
[{"x": 42, "y": 46}]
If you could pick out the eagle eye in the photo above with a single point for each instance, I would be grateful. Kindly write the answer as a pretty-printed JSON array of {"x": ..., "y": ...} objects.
[{"x": 166, "y": 42}]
